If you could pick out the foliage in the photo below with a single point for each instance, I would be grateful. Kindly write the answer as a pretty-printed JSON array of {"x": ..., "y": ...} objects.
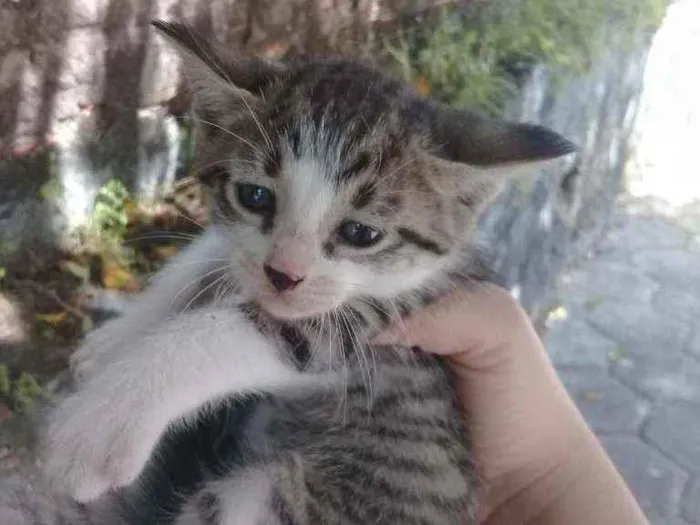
[
  {"x": 109, "y": 216},
  {"x": 468, "y": 55},
  {"x": 22, "y": 392}
]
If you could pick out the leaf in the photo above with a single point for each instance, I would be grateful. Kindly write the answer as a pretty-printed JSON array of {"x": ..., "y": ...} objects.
[
  {"x": 131, "y": 211},
  {"x": 27, "y": 386},
  {"x": 5, "y": 382},
  {"x": 50, "y": 190},
  {"x": 617, "y": 354},
  {"x": 80, "y": 271},
  {"x": 87, "y": 324},
  {"x": 115, "y": 277},
  {"x": 590, "y": 396},
  {"x": 275, "y": 50},
  {"x": 8, "y": 248},
  {"x": 133, "y": 286},
  {"x": 558, "y": 314},
  {"x": 165, "y": 252},
  {"x": 53, "y": 319},
  {"x": 421, "y": 85},
  {"x": 3, "y": 273},
  {"x": 27, "y": 389}
]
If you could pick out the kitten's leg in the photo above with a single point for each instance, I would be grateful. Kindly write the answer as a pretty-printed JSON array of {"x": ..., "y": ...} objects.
[
  {"x": 168, "y": 292},
  {"x": 102, "y": 436}
]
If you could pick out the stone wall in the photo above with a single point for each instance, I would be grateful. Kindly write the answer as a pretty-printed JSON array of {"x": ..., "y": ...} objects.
[
  {"x": 58, "y": 57},
  {"x": 86, "y": 86},
  {"x": 537, "y": 227}
]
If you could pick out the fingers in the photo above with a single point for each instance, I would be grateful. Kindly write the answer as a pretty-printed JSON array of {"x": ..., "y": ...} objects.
[{"x": 484, "y": 315}]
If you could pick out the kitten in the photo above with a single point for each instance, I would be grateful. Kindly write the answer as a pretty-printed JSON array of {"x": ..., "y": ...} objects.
[{"x": 343, "y": 201}]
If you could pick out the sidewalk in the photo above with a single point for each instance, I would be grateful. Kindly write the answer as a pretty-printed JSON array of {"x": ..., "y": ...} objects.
[{"x": 626, "y": 341}]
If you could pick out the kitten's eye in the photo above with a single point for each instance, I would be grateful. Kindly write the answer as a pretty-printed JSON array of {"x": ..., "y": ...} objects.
[
  {"x": 359, "y": 235},
  {"x": 255, "y": 198}
]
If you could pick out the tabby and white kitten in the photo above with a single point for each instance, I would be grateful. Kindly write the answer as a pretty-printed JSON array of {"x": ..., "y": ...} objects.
[{"x": 342, "y": 201}]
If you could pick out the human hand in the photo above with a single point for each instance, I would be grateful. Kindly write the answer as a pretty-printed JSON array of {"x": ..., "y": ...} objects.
[{"x": 538, "y": 461}]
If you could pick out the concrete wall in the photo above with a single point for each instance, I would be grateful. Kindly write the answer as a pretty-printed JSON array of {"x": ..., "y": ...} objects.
[
  {"x": 89, "y": 79},
  {"x": 538, "y": 226},
  {"x": 60, "y": 56}
]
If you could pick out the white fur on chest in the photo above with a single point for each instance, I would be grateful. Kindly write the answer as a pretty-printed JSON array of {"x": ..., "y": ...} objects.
[
  {"x": 243, "y": 500},
  {"x": 246, "y": 500}
]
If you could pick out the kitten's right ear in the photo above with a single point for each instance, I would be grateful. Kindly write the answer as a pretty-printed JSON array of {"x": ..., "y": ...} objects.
[
  {"x": 475, "y": 154},
  {"x": 223, "y": 82}
]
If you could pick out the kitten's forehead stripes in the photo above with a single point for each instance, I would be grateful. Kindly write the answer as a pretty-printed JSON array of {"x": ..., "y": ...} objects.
[
  {"x": 343, "y": 105},
  {"x": 294, "y": 137},
  {"x": 364, "y": 195},
  {"x": 468, "y": 200},
  {"x": 358, "y": 165},
  {"x": 417, "y": 239}
]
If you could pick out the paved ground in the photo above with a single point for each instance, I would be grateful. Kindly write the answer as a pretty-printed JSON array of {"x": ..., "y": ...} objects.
[{"x": 626, "y": 341}]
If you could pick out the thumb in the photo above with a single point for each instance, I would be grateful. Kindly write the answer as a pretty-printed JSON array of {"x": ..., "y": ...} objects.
[{"x": 458, "y": 322}]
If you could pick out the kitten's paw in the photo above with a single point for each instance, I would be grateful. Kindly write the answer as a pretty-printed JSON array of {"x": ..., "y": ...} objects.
[{"x": 95, "y": 444}]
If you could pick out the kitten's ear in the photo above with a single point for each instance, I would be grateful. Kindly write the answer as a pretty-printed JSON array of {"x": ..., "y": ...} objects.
[
  {"x": 223, "y": 82},
  {"x": 476, "y": 154}
]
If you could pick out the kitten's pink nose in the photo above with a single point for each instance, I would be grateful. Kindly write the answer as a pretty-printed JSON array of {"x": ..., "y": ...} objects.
[{"x": 280, "y": 280}]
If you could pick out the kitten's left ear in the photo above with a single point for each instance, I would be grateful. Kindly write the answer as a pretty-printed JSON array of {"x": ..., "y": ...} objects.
[
  {"x": 474, "y": 154},
  {"x": 223, "y": 81}
]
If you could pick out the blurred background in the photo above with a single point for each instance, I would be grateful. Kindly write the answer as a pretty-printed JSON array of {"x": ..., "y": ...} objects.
[{"x": 97, "y": 190}]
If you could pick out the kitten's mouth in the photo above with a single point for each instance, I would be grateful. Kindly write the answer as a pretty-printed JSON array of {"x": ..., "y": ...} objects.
[
  {"x": 287, "y": 307},
  {"x": 280, "y": 306}
]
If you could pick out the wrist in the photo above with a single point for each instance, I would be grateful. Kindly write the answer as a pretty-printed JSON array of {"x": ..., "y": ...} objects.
[
  {"x": 522, "y": 495},
  {"x": 581, "y": 488}
]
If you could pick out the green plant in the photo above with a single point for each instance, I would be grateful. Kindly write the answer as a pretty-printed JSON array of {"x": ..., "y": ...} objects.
[
  {"x": 465, "y": 56},
  {"x": 109, "y": 217},
  {"x": 454, "y": 63},
  {"x": 21, "y": 393},
  {"x": 107, "y": 223}
]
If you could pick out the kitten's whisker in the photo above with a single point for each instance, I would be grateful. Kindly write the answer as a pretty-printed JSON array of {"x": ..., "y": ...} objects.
[
  {"x": 398, "y": 318},
  {"x": 195, "y": 282},
  {"x": 201, "y": 261},
  {"x": 227, "y": 161},
  {"x": 373, "y": 303},
  {"x": 252, "y": 146},
  {"x": 179, "y": 236},
  {"x": 342, "y": 402},
  {"x": 188, "y": 218},
  {"x": 364, "y": 348},
  {"x": 394, "y": 172},
  {"x": 223, "y": 289},
  {"x": 203, "y": 290},
  {"x": 356, "y": 350},
  {"x": 231, "y": 86},
  {"x": 265, "y": 135}
]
